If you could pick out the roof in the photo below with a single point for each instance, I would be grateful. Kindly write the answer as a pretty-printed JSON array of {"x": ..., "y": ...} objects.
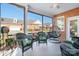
[{"x": 10, "y": 21}]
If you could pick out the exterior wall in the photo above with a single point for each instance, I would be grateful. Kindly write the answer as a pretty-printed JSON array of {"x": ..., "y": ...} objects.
[
  {"x": 73, "y": 12},
  {"x": 18, "y": 26}
]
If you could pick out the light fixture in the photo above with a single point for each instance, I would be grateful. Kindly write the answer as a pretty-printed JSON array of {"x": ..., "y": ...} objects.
[{"x": 55, "y": 5}]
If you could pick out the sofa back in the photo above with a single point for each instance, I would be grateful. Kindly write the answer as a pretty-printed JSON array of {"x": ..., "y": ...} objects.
[{"x": 76, "y": 44}]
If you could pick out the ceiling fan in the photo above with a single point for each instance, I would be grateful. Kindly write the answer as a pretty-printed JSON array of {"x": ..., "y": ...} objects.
[{"x": 55, "y": 5}]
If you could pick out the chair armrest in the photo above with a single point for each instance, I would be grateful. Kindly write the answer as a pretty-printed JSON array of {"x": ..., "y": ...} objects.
[{"x": 68, "y": 42}]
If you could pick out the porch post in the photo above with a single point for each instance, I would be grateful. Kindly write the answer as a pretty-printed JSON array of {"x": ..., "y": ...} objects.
[
  {"x": 78, "y": 25},
  {"x": 26, "y": 19}
]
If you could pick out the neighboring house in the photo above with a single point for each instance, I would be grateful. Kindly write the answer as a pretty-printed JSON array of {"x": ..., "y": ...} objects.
[
  {"x": 34, "y": 26},
  {"x": 14, "y": 25}
]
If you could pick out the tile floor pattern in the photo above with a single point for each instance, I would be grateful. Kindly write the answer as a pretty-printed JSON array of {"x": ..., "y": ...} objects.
[{"x": 51, "y": 49}]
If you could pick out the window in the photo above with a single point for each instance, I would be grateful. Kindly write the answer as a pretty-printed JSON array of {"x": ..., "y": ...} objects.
[
  {"x": 34, "y": 22},
  {"x": 47, "y": 24},
  {"x": 38, "y": 23},
  {"x": 12, "y": 16},
  {"x": 60, "y": 23}
]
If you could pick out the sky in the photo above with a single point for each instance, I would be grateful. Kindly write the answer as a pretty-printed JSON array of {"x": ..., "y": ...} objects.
[
  {"x": 33, "y": 16},
  {"x": 12, "y": 11}
]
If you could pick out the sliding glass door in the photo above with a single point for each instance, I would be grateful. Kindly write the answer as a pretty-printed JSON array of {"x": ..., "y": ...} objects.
[{"x": 72, "y": 27}]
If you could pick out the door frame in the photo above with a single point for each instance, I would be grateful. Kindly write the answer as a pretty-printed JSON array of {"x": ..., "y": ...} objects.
[{"x": 68, "y": 26}]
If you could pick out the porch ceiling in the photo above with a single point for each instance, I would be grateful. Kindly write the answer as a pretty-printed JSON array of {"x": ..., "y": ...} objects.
[{"x": 49, "y": 9}]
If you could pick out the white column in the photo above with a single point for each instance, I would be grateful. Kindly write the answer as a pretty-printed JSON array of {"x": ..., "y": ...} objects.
[
  {"x": 26, "y": 19},
  {"x": 68, "y": 29},
  {"x": 26, "y": 16},
  {"x": 77, "y": 17}
]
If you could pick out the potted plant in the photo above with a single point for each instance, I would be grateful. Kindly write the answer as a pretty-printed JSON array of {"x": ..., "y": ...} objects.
[
  {"x": 1, "y": 43},
  {"x": 4, "y": 31},
  {"x": 10, "y": 43}
]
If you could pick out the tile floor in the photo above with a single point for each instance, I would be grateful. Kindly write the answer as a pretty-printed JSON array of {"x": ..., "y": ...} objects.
[{"x": 51, "y": 49}]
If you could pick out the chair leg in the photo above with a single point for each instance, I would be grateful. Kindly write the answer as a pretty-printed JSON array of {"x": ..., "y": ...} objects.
[
  {"x": 22, "y": 52},
  {"x": 38, "y": 42},
  {"x": 46, "y": 43},
  {"x": 31, "y": 47},
  {"x": 61, "y": 51}
]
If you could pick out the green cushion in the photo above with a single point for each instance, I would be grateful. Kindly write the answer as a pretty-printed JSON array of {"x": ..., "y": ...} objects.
[
  {"x": 26, "y": 42},
  {"x": 42, "y": 38}
]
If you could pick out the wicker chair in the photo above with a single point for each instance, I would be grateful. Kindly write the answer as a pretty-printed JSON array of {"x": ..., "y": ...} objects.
[
  {"x": 24, "y": 41},
  {"x": 42, "y": 37}
]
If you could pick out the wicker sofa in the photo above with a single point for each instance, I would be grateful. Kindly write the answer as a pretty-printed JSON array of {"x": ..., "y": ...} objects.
[{"x": 70, "y": 48}]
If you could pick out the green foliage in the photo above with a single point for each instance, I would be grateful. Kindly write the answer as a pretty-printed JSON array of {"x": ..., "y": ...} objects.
[
  {"x": 1, "y": 42},
  {"x": 10, "y": 42}
]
